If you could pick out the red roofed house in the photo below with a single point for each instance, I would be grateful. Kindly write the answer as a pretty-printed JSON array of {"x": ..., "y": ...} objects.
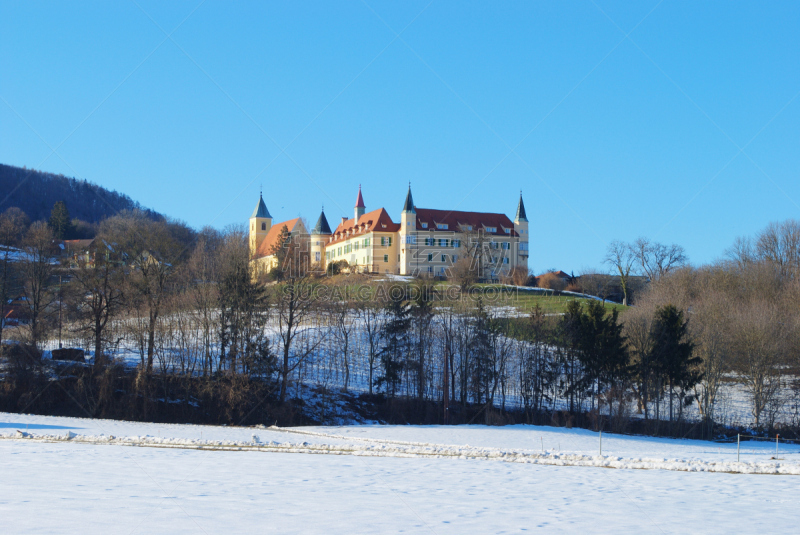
[{"x": 425, "y": 242}]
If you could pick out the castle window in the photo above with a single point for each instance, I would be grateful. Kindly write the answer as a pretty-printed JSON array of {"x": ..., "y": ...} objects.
[
  {"x": 386, "y": 258},
  {"x": 263, "y": 226}
]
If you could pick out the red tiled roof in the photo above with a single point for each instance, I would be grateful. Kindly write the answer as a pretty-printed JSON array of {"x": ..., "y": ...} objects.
[
  {"x": 456, "y": 221},
  {"x": 272, "y": 236},
  {"x": 374, "y": 221}
]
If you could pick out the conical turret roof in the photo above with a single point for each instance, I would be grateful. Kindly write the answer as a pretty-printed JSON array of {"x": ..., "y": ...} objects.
[
  {"x": 322, "y": 226},
  {"x": 408, "y": 206},
  {"x": 360, "y": 200},
  {"x": 521, "y": 210},
  {"x": 261, "y": 209}
]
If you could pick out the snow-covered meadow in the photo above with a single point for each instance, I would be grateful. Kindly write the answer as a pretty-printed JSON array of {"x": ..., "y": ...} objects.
[{"x": 69, "y": 474}]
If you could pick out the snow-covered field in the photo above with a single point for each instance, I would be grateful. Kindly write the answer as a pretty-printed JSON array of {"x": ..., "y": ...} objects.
[{"x": 66, "y": 475}]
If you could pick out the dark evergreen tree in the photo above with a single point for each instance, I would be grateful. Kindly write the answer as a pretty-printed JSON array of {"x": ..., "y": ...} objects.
[
  {"x": 480, "y": 346},
  {"x": 568, "y": 342},
  {"x": 672, "y": 352},
  {"x": 281, "y": 250},
  {"x": 60, "y": 221},
  {"x": 421, "y": 313},
  {"x": 603, "y": 352},
  {"x": 395, "y": 350},
  {"x": 244, "y": 307}
]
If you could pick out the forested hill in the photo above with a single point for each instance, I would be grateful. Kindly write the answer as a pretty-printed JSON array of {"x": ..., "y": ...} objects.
[{"x": 35, "y": 193}]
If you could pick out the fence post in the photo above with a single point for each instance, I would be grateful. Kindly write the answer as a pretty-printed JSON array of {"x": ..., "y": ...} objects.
[
  {"x": 601, "y": 443},
  {"x": 738, "y": 438},
  {"x": 776, "y": 445}
]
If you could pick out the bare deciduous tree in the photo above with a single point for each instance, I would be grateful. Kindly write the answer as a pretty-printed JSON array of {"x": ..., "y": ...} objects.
[
  {"x": 372, "y": 320},
  {"x": 37, "y": 270},
  {"x": 12, "y": 226},
  {"x": 296, "y": 302},
  {"x": 621, "y": 257},
  {"x": 98, "y": 281},
  {"x": 656, "y": 259}
]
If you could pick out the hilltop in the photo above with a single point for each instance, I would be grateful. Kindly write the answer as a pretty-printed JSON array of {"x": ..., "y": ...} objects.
[{"x": 35, "y": 193}]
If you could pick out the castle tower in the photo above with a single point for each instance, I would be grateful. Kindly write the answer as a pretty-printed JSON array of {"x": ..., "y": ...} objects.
[
  {"x": 319, "y": 237},
  {"x": 408, "y": 234},
  {"x": 521, "y": 228},
  {"x": 360, "y": 208},
  {"x": 260, "y": 223}
]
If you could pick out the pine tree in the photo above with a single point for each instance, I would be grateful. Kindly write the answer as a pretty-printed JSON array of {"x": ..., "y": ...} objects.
[
  {"x": 60, "y": 221},
  {"x": 394, "y": 352},
  {"x": 672, "y": 351},
  {"x": 281, "y": 249},
  {"x": 480, "y": 346}
]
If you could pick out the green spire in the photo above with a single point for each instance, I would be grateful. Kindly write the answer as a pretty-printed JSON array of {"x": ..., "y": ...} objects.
[
  {"x": 261, "y": 209},
  {"x": 521, "y": 210},
  {"x": 409, "y": 204}
]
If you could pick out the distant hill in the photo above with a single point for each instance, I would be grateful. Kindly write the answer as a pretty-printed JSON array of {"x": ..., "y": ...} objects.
[{"x": 35, "y": 193}]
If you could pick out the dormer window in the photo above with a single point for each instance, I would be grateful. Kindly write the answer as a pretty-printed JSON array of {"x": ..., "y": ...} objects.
[
  {"x": 441, "y": 226},
  {"x": 491, "y": 229},
  {"x": 424, "y": 225},
  {"x": 508, "y": 230}
]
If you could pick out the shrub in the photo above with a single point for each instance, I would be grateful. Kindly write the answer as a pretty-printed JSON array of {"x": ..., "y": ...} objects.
[{"x": 551, "y": 281}]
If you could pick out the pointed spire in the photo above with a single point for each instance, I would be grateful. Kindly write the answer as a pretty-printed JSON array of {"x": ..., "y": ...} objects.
[
  {"x": 360, "y": 200},
  {"x": 409, "y": 204},
  {"x": 521, "y": 216},
  {"x": 261, "y": 209},
  {"x": 322, "y": 226}
]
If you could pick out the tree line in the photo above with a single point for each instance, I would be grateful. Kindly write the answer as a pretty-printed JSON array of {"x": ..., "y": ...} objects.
[{"x": 196, "y": 327}]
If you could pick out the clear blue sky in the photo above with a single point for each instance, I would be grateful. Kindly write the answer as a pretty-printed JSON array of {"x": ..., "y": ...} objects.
[{"x": 686, "y": 131}]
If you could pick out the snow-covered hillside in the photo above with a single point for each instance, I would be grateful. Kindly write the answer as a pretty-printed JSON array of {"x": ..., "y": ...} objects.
[{"x": 66, "y": 474}]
